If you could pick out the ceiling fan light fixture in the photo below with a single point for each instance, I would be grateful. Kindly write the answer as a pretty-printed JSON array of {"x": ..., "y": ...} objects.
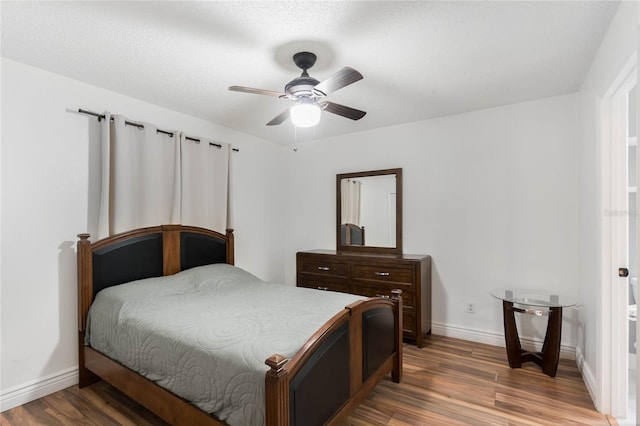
[{"x": 305, "y": 114}]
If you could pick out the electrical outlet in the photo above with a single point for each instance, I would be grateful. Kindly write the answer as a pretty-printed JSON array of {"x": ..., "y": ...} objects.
[{"x": 471, "y": 308}]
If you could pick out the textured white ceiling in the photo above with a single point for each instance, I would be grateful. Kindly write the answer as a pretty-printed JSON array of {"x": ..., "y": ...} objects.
[{"x": 419, "y": 59}]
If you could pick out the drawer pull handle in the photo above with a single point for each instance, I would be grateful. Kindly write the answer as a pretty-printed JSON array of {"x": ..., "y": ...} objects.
[
  {"x": 323, "y": 268},
  {"x": 382, "y": 274},
  {"x": 323, "y": 288}
]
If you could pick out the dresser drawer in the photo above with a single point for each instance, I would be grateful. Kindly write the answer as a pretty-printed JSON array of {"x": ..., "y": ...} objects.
[
  {"x": 408, "y": 298},
  {"x": 409, "y": 325},
  {"x": 319, "y": 266},
  {"x": 324, "y": 283},
  {"x": 396, "y": 274}
]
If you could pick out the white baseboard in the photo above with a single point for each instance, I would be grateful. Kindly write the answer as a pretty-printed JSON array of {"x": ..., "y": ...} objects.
[
  {"x": 33, "y": 390},
  {"x": 587, "y": 377},
  {"x": 495, "y": 339}
]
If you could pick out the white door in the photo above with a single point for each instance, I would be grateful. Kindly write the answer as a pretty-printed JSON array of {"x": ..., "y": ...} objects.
[
  {"x": 624, "y": 244},
  {"x": 631, "y": 138}
]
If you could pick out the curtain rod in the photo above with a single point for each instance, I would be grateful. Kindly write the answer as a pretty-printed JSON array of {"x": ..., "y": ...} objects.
[{"x": 141, "y": 126}]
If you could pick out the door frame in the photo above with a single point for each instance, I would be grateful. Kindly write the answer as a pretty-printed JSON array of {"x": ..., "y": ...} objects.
[{"x": 613, "y": 335}]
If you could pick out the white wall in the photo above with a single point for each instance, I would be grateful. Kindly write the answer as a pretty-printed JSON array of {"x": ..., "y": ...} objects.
[
  {"x": 45, "y": 192},
  {"x": 491, "y": 195}
]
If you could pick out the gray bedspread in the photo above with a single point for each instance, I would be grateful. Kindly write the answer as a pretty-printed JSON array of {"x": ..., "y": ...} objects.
[{"x": 205, "y": 333}]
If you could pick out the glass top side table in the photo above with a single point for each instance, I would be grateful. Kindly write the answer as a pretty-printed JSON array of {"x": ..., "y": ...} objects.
[{"x": 539, "y": 303}]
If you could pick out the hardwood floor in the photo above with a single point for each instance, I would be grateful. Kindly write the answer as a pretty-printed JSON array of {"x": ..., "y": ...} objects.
[
  {"x": 448, "y": 382},
  {"x": 456, "y": 382}
]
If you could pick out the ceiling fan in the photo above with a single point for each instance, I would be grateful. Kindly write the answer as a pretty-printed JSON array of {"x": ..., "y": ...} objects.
[{"x": 308, "y": 93}]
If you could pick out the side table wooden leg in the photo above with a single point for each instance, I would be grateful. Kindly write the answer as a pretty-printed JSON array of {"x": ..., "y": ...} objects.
[
  {"x": 511, "y": 338},
  {"x": 551, "y": 346}
]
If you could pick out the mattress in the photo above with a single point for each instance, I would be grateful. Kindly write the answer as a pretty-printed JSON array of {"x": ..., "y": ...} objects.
[{"x": 205, "y": 333}]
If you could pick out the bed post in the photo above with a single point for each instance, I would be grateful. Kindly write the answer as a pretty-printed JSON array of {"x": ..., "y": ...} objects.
[
  {"x": 396, "y": 372},
  {"x": 85, "y": 297},
  {"x": 277, "y": 391},
  {"x": 355, "y": 348},
  {"x": 230, "y": 248}
]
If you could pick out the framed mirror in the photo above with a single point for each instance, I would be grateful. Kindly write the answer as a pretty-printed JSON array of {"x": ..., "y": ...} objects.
[{"x": 369, "y": 211}]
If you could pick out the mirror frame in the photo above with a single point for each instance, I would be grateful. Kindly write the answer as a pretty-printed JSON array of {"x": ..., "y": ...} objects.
[{"x": 371, "y": 249}]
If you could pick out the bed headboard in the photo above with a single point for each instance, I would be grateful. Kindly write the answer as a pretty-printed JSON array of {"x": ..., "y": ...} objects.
[{"x": 145, "y": 253}]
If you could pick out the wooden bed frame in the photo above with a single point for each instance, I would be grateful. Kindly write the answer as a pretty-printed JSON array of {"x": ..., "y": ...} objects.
[{"x": 333, "y": 371}]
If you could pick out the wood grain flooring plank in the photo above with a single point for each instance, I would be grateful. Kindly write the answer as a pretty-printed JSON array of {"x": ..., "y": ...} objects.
[
  {"x": 68, "y": 410},
  {"x": 38, "y": 414},
  {"x": 16, "y": 416}
]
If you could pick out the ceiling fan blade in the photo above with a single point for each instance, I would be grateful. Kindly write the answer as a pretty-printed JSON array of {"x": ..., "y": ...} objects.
[
  {"x": 256, "y": 91},
  {"x": 278, "y": 119},
  {"x": 345, "y": 111},
  {"x": 342, "y": 78}
]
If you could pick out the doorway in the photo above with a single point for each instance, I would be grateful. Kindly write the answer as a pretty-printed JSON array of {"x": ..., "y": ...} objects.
[
  {"x": 632, "y": 293},
  {"x": 621, "y": 134}
]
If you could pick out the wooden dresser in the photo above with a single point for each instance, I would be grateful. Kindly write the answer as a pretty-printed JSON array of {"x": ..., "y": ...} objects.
[{"x": 374, "y": 275}]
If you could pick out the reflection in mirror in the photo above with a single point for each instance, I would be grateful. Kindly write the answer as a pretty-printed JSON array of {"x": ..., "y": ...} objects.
[
  {"x": 370, "y": 201},
  {"x": 352, "y": 235}
]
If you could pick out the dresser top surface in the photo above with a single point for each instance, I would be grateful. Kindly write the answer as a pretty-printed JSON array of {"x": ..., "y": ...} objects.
[{"x": 350, "y": 254}]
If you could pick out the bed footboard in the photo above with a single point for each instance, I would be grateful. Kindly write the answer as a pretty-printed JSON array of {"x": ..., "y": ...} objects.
[{"x": 338, "y": 366}]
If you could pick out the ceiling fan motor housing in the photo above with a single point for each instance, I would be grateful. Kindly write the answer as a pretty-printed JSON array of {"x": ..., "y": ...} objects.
[{"x": 301, "y": 86}]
